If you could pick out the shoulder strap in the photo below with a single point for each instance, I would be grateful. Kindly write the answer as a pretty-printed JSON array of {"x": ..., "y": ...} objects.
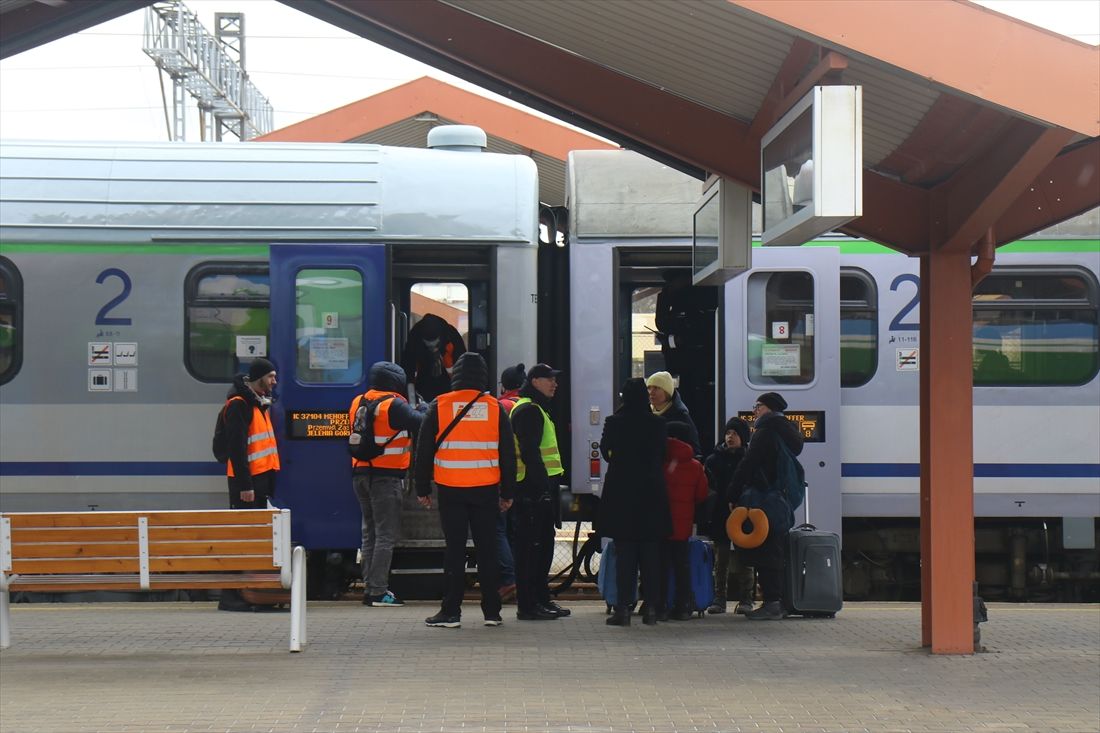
[
  {"x": 387, "y": 398},
  {"x": 458, "y": 417}
]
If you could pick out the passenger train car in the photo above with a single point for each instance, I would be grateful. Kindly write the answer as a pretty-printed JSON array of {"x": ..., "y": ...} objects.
[{"x": 135, "y": 280}]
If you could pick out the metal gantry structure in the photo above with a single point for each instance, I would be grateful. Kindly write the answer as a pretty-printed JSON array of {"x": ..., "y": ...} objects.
[{"x": 202, "y": 65}]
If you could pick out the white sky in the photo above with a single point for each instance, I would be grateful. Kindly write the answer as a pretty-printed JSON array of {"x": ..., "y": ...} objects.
[{"x": 100, "y": 85}]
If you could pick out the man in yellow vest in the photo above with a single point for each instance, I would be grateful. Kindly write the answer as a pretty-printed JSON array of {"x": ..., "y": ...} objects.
[
  {"x": 538, "y": 470},
  {"x": 253, "y": 455},
  {"x": 379, "y": 483},
  {"x": 466, "y": 447}
]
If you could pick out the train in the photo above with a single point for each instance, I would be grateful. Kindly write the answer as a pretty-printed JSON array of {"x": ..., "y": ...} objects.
[{"x": 136, "y": 279}]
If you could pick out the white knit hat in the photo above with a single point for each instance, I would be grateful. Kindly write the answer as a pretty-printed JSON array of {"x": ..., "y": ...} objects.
[{"x": 662, "y": 380}]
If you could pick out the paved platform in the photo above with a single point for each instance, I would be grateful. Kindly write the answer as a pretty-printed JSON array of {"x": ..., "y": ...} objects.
[{"x": 186, "y": 667}]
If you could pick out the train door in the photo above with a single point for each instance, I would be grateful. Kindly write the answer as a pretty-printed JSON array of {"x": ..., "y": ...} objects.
[
  {"x": 328, "y": 325},
  {"x": 782, "y": 334}
]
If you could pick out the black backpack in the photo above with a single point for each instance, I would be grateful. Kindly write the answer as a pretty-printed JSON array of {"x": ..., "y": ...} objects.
[
  {"x": 220, "y": 443},
  {"x": 361, "y": 443}
]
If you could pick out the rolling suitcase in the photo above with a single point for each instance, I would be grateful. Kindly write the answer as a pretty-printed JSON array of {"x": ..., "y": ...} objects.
[
  {"x": 605, "y": 578},
  {"x": 813, "y": 584},
  {"x": 701, "y": 564}
]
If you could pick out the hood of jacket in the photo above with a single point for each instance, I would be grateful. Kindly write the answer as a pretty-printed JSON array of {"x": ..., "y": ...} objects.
[
  {"x": 678, "y": 450},
  {"x": 387, "y": 377},
  {"x": 786, "y": 430},
  {"x": 241, "y": 389},
  {"x": 470, "y": 372}
]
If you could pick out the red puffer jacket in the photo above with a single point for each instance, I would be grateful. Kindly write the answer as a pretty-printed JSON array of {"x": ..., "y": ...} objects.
[{"x": 687, "y": 486}]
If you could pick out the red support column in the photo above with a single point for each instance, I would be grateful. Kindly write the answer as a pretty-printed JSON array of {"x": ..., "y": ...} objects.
[{"x": 947, "y": 454}]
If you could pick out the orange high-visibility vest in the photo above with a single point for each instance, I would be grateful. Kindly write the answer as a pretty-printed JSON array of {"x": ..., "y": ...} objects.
[
  {"x": 263, "y": 455},
  {"x": 470, "y": 456},
  {"x": 398, "y": 453}
]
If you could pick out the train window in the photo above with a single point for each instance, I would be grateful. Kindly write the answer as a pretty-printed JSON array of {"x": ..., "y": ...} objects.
[
  {"x": 329, "y": 310},
  {"x": 645, "y": 346},
  {"x": 858, "y": 328},
  {"x": 11, "y": 320},
  {"x": 1036, "y": 326},
  {"x": 227, "y": 308},
  {"x": 780, "y": 328}
]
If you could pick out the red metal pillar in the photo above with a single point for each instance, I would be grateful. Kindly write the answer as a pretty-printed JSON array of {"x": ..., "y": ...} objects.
[{"x": 947, "y": 454}]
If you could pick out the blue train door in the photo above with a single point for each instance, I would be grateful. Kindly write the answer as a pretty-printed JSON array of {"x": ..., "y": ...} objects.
[
  {"x": 328, "y": 325},
  {"x": 782, "y": 321}
]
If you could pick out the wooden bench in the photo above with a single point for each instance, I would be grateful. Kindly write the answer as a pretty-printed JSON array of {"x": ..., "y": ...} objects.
[{"x": 158, "y": 550}]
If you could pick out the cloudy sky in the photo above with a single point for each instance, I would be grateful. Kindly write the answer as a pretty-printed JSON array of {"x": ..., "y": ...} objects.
[{"x": 100, "y": 85}]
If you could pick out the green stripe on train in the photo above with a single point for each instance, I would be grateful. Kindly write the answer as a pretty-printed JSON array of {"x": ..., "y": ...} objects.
[{"x": 258, "y": 250}]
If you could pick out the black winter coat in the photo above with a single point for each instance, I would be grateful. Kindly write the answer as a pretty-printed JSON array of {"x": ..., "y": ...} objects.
[
  {"x": 720, "y": 466},
  {"x": 431, "y": 350},
  {"x": 634, "y": 501},
  {"x": 678, "y": 412},
  {"x": 757, "y": 468}
]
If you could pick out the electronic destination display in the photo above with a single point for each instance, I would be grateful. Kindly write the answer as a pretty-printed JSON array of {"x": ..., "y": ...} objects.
[{"x": 317, "y": 424}]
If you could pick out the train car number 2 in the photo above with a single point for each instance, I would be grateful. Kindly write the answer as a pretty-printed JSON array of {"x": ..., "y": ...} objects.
[{"x": 101, "y": 318}]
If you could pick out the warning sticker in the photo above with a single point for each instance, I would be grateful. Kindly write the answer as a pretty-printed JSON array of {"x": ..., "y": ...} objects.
[
  {"x": 100, "y": 353},
  {"x": 908, "y": 360}
]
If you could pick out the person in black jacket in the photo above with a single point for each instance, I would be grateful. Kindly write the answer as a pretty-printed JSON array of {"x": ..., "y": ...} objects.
[
  {"x": 474, "y": 482},
  {"x": 432, "y": 348},
  {"x": 536, "y": 494},
  {"x": 720, "y": 466},
  {"x": 253, "y": 454},
  {"x": 634, "y": 509},
  {"x": 758, "y": 469},
  {"x": 665, "y": 402}
]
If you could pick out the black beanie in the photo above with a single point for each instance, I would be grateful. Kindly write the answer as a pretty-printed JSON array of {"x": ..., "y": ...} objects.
[
  {"x": 740, "y": 427},
  {"x": 259, "y": 367},
  {"x": 773, "y": 401},
  {"x": 513, "y": 377}
]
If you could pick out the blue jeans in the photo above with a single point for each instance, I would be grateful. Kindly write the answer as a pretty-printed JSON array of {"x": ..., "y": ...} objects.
[
  {"x": 504, "y": 551},
  {"x": 380, "y": 500}
]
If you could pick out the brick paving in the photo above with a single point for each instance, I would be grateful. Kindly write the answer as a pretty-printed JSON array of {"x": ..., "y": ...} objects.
[{"x": 178, "y": 667}]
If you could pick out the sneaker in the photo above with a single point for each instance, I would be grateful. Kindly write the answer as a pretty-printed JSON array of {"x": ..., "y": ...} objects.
[
  {"x": 384, "y": 600},
  {"x": 494, "y": 621},
  {"x": 562, "y": 612},
  {"x": 444, "y": 621},
  {"x": 715, "y": 608},
  {"x": 743, "y": 608},
  {"x": 770, "y": 611}
]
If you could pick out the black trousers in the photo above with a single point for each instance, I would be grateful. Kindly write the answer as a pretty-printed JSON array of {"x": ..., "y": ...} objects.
[
  {"x": 676, "y": 562},
  {"x": 465, "y": 512},
  {"x": 770, "y": 563},
  {"x": 631, "y": 554},
  {"x": 263, "y": 488},
  {"x": 533, "y": 549}
]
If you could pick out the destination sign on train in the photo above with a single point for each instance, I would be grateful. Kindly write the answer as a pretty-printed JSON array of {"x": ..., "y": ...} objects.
[
  {"x": 811, "y": 423},
  {"x": 311, "y": 424}
]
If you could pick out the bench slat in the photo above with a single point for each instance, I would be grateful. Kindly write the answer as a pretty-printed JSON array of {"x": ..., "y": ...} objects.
[
  {"x": 130, "y": 565},
  {"x": 28, "y": 551},
  {"x": 156, "y": 518},
  {"x": 175, "y": 581},
  {"x": 129, "y": 534}
]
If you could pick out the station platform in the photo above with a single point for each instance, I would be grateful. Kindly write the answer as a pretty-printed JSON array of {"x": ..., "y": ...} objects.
[{"x": 186, "y": 667}]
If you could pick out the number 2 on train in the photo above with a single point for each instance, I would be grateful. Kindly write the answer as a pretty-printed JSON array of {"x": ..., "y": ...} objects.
[
  {"x": 101, "y": 318},
  {"x": 896, "y": 324}
]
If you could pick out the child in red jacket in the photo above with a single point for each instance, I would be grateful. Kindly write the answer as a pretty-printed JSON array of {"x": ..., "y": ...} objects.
[{"x": 687, "y": 487}]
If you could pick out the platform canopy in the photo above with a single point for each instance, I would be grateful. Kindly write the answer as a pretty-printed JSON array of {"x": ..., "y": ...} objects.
[
  {"x": 402, "y": 116},
  {"x": 972, "y": 119}
]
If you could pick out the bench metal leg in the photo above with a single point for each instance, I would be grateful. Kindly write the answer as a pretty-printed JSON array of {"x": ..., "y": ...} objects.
[
  {"x": 5, "y": 618},
  {"x": 298, "y": 600}
]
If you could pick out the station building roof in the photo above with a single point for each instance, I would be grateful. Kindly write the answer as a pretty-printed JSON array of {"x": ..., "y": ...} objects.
[
  {"x": 403, "y": 116},
  {"x": 972, "y": 119}
]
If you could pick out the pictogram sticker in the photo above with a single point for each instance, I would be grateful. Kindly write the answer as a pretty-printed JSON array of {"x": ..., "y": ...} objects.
[
  {"x": 100, "y": 353},
  {"x": 908, "y": 360}
]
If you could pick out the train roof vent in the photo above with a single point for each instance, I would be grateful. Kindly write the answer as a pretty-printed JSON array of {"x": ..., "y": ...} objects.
[{"x": 466, "y": 138}]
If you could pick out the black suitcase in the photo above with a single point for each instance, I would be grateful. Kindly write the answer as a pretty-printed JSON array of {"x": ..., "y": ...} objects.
[{"x": 813, "y": 585}]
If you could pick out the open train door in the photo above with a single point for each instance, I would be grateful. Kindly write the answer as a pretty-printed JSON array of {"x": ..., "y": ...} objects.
[
  {"x": 328, "y": 325},
  {"x": 782, "y": 334}
]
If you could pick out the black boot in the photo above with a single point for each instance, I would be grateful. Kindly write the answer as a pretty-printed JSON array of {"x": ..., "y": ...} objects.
[
  {"x": 649, "y": 618},
  {"x": 620, "y": 617}
]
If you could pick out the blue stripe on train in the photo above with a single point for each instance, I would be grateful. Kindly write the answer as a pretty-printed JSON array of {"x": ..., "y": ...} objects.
[
  {"x": 211, "y": 468},
  {"x": 981, "y": 470},
  {"x": 111, "y": 468}
]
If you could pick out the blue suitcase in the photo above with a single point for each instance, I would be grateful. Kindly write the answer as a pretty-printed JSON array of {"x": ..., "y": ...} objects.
[
  {"x": 605, "y": 578},
  {"x": 701, "y": 564}
]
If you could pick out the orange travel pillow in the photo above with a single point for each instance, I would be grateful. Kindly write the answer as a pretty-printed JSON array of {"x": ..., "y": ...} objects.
[{"x": 757, "y": 521}]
